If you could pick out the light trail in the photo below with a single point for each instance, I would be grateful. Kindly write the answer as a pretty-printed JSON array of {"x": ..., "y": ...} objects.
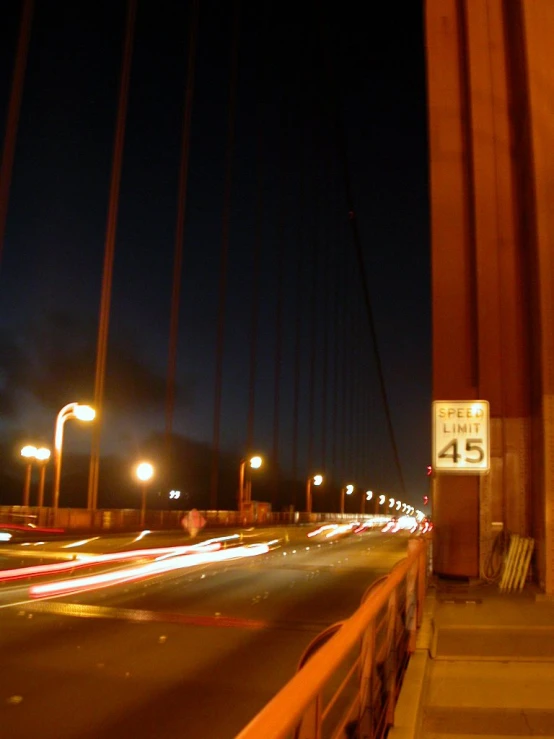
[
  {"x": 93, "y": 582},
  {"x": 86, "y": 560}
]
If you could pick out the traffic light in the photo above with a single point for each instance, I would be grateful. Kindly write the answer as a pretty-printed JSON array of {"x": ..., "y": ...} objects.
[
  {"x": 425, "y": 499},
  {"x": 429, "y": 470}
]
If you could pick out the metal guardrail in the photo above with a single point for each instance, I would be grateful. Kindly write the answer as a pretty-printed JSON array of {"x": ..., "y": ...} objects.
[{"x": 349, "y": 678}]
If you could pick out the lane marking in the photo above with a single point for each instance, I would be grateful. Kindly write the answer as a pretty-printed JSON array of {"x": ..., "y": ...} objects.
[
  {"x": 143, "y": 616},
  {"x": 139, "y": 615}
]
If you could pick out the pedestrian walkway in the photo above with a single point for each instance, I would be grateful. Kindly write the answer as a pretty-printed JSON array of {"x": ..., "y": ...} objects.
[{"x": 484, "y": 666}]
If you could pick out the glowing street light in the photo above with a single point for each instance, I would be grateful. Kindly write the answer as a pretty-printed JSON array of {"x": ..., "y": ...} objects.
[
  {"x": 144, "y": 472},
  {"x": 391, "y": 502},
  {"x": 346, "y": 490},
  {"x": 255, "y": 463},
  {"x": 28, "y": 452},
  {"x": 366, "y": 497},
  {"x": 382, "y": 499},
  {"x": 71, "y": 410},
  {"x": 313, "y": 480},
  {"x": 398, "y": 505},
  {"x": 40, "y": 455}
]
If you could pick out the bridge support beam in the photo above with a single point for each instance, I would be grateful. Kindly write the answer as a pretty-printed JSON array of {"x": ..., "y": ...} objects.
[{"x": 490, "y": 72}]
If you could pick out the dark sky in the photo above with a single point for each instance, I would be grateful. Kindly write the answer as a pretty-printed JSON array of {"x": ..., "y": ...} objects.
[{"x": 286, "y": 149}]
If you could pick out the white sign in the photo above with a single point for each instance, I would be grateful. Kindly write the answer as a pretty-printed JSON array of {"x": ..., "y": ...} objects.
[{"x": 461, "y": 439}]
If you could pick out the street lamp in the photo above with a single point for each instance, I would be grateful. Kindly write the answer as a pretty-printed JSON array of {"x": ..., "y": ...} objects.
[
  {"x": 255, "y": 463},
  {"x": 43, "y": 455},
  {"x": 367, "y": 497},
  {"x": 32, "y": 454},
  {"x": 71, "y": 410},
  {"x": 144, "y": 471},
  {"x": 313, "y": 480},
  {"x": 29, "y": 453},
  {"x": 348, "y": 490}
]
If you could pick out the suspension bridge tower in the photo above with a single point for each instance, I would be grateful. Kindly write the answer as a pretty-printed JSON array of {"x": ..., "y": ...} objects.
[{"x": 490, "y": 75}]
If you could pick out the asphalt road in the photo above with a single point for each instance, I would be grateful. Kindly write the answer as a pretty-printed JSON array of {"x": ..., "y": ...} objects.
[{"x": 193, "y": 654}]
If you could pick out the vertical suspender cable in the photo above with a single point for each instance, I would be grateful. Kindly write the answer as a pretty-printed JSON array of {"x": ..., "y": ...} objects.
[
  {"x": 313, "y": 345},
  {"x": 279, "y": 306},
  {"x": 258, "y": 240},
  {"x": 298, "y": 322},
  {"x": 14, "y": 106},
  {"x": 109, "y": 251},
  {"x": 365, "y": 417},
  {"x": 360, "y": 405},
  {"x": 350, "y": 389},
  {"x": 334, "y": 288},
  {"x": 314, "y": 323},
  {"x": 360, "y": 387},
  {"x": 356, "y": 239},
  {"x": 226, "y": 218},
  {"x": 180, "y": 229},
  {"x": 278, "y": 353},
  {"x": 255, "y": 308},
  {"x": 326, "y": 329},
  {"x": 343, "y": 364}
]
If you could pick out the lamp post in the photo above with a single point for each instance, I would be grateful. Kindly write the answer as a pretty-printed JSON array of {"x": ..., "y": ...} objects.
[
  {"x": 144, "y": 472},
  {"x": 28, "y": 452},
  {"x": 43, "y": 455},
  {"x": 366, "y": 497},
  {"x": 346, "y": 490},
  {"x": 313, "y": 480},
  {"x": 71, "y": 410},
  {"x": 40, "y": 455},
  {"x": 255, "y": 463}
]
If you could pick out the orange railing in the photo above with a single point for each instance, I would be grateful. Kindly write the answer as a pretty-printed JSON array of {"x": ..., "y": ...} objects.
[{"x": 349, "y": 678}]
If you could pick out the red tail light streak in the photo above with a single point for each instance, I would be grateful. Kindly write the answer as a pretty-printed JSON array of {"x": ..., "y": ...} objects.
[{"x": 31, "y": 528}]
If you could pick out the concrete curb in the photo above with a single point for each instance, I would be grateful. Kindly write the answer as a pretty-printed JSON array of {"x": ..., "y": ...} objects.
[{"x": 408, "y": 712}]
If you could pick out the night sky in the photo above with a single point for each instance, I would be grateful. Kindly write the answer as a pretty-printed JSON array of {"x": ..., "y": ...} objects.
[{"x": 298, "y": 63}]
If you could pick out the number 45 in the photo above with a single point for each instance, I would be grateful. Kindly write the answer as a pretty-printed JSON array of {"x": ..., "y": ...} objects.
[{"x": 474, "y": 453}]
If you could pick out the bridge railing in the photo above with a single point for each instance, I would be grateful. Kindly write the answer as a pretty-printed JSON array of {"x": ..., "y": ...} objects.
[
  {"x": 349, "y": 678},
  {"x": 125, "y": 519}
]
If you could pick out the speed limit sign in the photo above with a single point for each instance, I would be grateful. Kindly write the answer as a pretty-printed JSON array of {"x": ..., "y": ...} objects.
[{"x": 461, "y": 439}]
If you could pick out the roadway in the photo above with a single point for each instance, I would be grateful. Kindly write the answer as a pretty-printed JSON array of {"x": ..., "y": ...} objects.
[{"x": 192, "y": 653}]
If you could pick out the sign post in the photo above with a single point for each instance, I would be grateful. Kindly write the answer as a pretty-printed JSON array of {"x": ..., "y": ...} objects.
[{"x": 461, "y": 436}]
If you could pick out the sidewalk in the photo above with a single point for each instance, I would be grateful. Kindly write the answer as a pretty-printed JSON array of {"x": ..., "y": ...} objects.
[{"x": 484, "y": 666}]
